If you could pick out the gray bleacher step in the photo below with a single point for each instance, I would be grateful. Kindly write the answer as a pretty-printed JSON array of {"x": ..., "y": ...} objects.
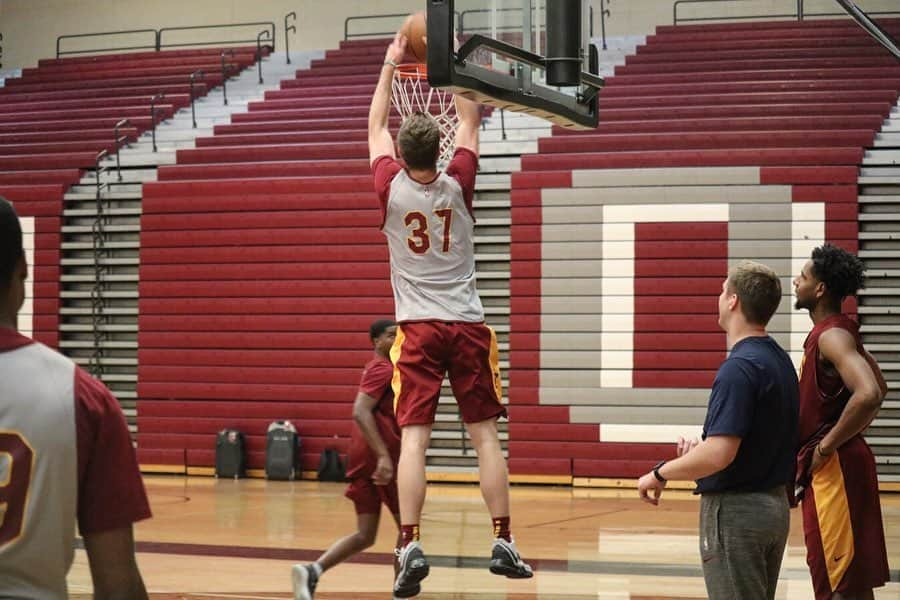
[
  {"x": 106, "y": 277},
  {"x": 451, "y": 452},
  {"x": 878, "y": 180},
  {"x": 462, "y": 470},
  {"x": 889, "y": 139},
  {"x": 881, "y": 157},
  {"x": 109, "y": 311},
  {"x": 88, "y": 192},
  {"x": 491, "y": 148},
  {"x": 491, "y": 181},
  {"x": 104, "y": 261},
  {"x": 109, "y": 228},
  {"x": 447, "y": 434},
  {"x": 494, "y": 164},
  {"x": 108, "y": 361},
  {"x": 867, "y": 199},
  {"x": 107, "y": 294},
  {"x": 140, "y": 158},
  {"x": 126, "y": 245},
  {"x": 89, "y": 344},
  {"x": 512, "y": 135},
  {"x": 109, "y": 212},
  {"x": 129, "y": 175}
]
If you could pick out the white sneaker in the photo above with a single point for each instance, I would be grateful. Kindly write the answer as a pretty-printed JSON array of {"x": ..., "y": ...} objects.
[
  {"x": 505, "y": 560},
  {"x": 413, "y": 569},
  {"x": 305, "y": 578}
]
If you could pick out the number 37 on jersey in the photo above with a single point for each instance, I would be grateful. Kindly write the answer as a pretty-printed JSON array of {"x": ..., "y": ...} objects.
[{"x": 419, "y": 226}]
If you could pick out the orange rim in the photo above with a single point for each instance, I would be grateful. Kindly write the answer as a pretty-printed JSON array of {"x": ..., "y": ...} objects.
[{"x": 412, "y": 71}]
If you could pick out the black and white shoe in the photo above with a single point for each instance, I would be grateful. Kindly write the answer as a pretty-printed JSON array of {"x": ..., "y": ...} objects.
[
  {"x": 413, "y": 569},
  {"x": 505, "y": 560},
  {"x": 305, "y": 580}
]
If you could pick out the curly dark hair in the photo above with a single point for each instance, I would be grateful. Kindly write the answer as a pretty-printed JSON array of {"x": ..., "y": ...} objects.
[
  {"x": 840, "y": 271},
  {"x": 10, "y": 242},
  {"x": 379, "y": 327}
]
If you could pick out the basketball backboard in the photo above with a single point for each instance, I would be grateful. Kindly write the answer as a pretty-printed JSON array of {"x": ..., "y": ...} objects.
[{"x": 503, "y": 57}]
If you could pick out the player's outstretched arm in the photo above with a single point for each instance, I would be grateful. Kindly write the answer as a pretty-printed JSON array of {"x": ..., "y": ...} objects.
[
  {"x": 469, "y": 123},
  {"x": 114, "y": 569},
  {"x": 380, "y": 141}
]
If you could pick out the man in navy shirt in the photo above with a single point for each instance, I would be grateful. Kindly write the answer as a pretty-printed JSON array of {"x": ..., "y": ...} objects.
[{"x": 745, "y": 462}]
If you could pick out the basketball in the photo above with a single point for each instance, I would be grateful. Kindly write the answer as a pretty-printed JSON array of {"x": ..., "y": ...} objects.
[{"x": 415, "y": 32}]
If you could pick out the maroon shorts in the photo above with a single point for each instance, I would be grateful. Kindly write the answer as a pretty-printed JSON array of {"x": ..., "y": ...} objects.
[
  {"x": 424, "y": 351},
  {"x": 842, "y": 524},
  {"x": 368, "y": 497}
]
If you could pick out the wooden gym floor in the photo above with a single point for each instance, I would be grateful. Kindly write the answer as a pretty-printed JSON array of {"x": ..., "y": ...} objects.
[{"x": 225, "y": 539}]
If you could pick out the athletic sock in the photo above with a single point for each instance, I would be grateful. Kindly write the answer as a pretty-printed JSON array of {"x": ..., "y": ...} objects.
[
  {"x": 409, "y": 533},
  {"x": 501, "y": 528},
  {"x": 317, "y": 568}
]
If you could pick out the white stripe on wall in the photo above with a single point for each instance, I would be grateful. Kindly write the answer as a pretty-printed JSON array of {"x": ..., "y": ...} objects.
[
  {"x": 648, "y": 434},
  {"x": 26, "y": 318},
  {"x": 808, "y": 231},
  {"x": 618, "y": 275}
]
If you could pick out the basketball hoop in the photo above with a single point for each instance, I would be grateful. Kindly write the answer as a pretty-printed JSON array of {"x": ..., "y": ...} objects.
[{"x": 411, "y": 93}]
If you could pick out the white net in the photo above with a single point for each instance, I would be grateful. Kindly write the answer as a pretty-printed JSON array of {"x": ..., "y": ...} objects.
[{"x": 411, "y": 93}]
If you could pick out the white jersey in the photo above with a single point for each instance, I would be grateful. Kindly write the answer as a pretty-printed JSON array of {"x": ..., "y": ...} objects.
[
  {"x": 430, "y": 233},
  {"x": 65, "y": 458},
  {"x": 37, "y": 459}
]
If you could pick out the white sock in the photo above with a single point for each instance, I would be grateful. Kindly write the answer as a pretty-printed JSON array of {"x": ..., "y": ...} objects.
[{"x": 317, "y": 568}]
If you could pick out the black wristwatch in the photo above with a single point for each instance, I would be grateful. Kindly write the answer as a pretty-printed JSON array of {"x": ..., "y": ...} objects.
[{"x": 656, "y": 473}]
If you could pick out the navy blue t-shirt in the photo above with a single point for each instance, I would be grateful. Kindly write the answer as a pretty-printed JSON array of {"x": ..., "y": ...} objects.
[{"x": 756, "y": 396}]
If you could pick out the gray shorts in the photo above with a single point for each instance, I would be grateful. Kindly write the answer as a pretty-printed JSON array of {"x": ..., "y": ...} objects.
[{"x": 742, "y": 540}]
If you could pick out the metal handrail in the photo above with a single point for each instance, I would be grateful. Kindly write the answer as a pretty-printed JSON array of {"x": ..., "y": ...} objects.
[
  {"x": 604, "y": 14},
  {"x": 118, "y": 144},
  {"x": 161, "y": 45},
  {"x": 194, "y": 75},
  {"x": 799, "y": 13},
  {"x": 98, "y": 246},
  {"x": 153, "y": 109},
  {"x": 260, "y": 35},
  {"x": 348, "y": 35},
  {"x": 675, "y": 19},
  {"x": 288, "y": 29},
  {"x": 155, "y": 45},
  {"x": 461, "y": 18},
  {"x": 225, "y": 68}
]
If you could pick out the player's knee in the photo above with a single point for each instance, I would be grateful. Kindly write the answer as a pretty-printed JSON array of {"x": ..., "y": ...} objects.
[{"x": 365, "y": 539}]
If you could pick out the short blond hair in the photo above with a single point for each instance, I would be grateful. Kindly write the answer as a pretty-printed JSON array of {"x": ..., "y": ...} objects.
[
  {"x": 758, "y": 288},
  {"x": 419, "y": 139}
]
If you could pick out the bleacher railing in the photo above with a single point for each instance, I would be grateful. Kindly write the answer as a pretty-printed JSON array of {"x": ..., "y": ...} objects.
[
  {"x": 98, "y": 246},
  {"x": 798, "y": 12},
  {"x": 159, "y": 38}
]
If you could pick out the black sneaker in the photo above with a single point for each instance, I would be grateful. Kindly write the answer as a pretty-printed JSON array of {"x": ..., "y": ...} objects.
[
  {"x": 305, "y": 580},
  {"x": 413, "y": 569},
  {"x": 505, "y": 560}
]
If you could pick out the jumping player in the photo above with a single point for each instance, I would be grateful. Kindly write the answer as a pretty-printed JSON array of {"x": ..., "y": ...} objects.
[
  {"x": 65, "y": 456},
  {"x": 428, "y": 221},
  {"x": 371, "y": 462},
  {"x": 841, "y": 390}
]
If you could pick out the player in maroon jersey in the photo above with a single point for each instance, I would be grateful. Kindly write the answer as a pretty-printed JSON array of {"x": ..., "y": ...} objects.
[
  {"x": 841, "y": 390},
  {"x": 371, "y": 461},
  {"x": 65, "y": 457}
]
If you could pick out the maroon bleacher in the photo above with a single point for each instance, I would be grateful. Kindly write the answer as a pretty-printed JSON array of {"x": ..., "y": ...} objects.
[
  {"x": 799, "y": 100},
  {"x": 261, "y": 269},
  {"x": 57, "y": 117}
]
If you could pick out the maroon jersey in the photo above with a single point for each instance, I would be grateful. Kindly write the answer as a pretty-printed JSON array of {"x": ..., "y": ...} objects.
[
  {"x": 376, "y": 382},
  {"x": 842, "y": 523},
  {"x": 823, "y": 394}
]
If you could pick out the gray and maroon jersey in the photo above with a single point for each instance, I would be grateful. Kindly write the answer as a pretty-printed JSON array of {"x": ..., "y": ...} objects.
[
  {"x": 65, "y": 457},
  {"x": 430, "y": 230}
]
